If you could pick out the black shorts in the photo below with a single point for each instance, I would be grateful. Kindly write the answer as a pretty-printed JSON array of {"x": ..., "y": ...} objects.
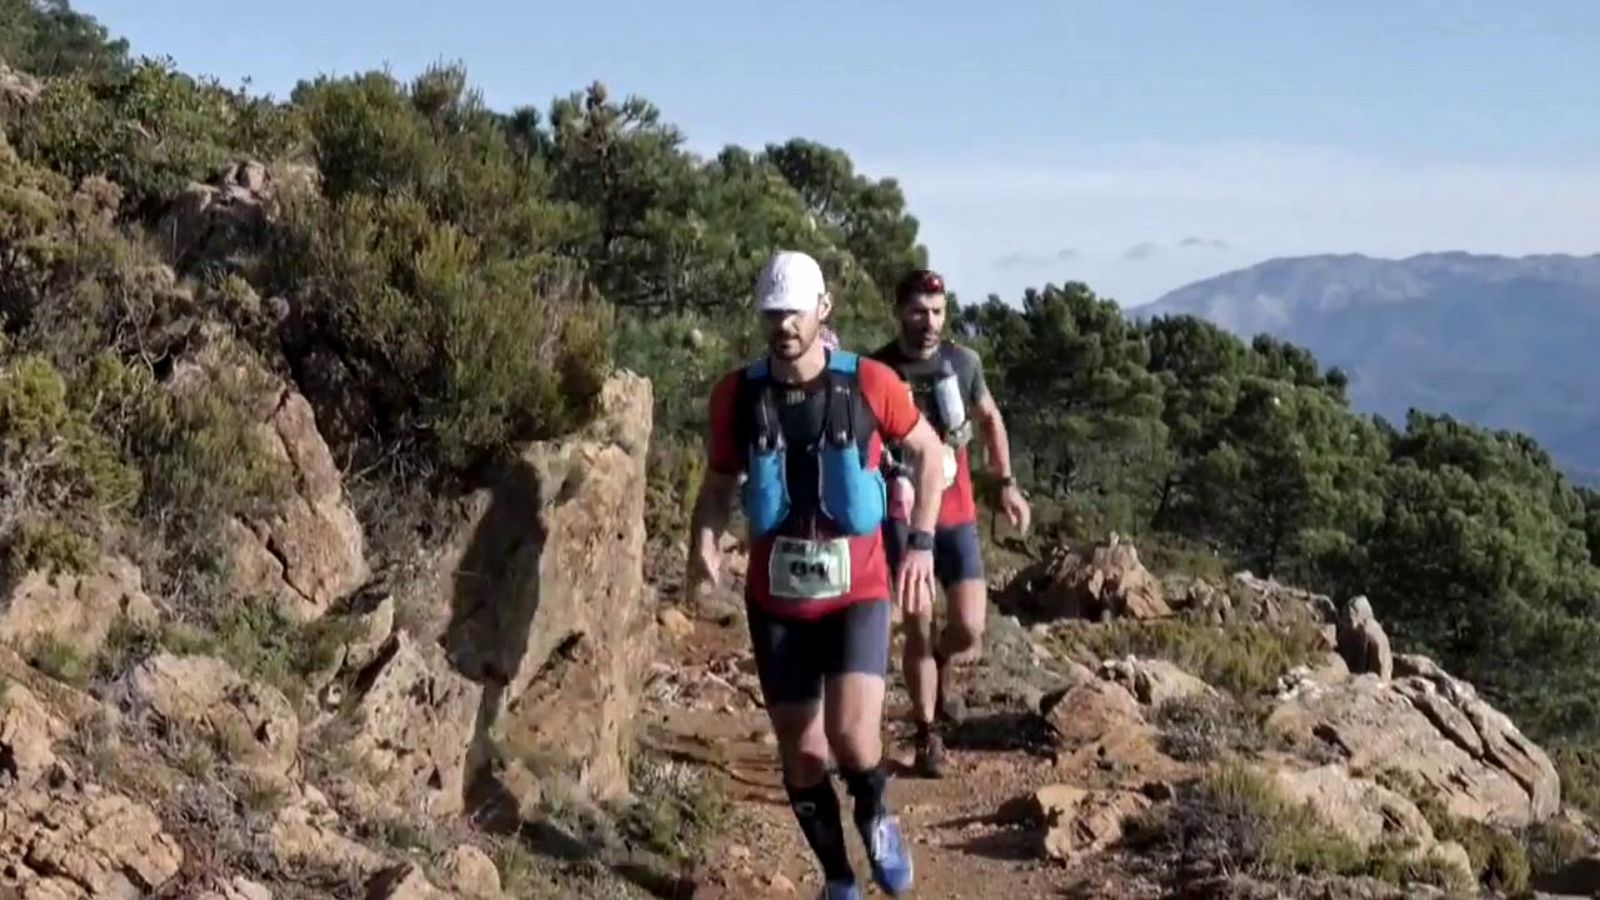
[
  {"x": 957, "y": 554},
  {"x": 794, "y": 656}
]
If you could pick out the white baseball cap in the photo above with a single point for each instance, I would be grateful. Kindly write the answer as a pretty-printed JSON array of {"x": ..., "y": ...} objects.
[{"x": 790, "y": 281}]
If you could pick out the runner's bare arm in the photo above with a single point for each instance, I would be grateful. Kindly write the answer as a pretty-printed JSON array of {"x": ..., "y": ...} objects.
[
  {"x": 995, "y": 440},
  {"x": 713, "y": 507},
  {"x": 998, "y": 445},
  {"x": 925, "y": 447}
]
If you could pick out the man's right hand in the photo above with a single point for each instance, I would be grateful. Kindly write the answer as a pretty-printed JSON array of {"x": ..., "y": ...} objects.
[{"x": 705, "y": 568}]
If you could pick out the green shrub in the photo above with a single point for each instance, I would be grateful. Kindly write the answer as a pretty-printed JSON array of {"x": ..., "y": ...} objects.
[
  {"x": 1244, "y": 658},
  {"x": 1202, "y": 728},
  {"x": 1235, "y": 819},
  {"x": 47, "y": 37},
  {"x": 61, "y": 480},
  {"x": 459, "y": 352},
  {"x": 49, "y": 547},
  {"x": 149, "y": 129},
  {"x": 676, "y": 810},
  {"x": 1579, "y": 768},
  {"x": 676, "y": 468},
  {"x": 60, "y": 660},
  {"x": 262, "y": 642}
]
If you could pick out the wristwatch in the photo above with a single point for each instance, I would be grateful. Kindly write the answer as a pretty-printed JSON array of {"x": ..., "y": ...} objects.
[{"x": 920, "y": 540}]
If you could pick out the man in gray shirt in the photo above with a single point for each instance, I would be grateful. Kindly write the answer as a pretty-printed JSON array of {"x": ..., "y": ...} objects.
[{"x": 946, "y": 382}]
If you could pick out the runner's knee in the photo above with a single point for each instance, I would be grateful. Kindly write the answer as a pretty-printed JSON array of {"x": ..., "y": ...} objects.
[
  {"x": 856, "y": 743},
  {"x": 802, "y": 744},
  {"x": 854, "y": 720}
]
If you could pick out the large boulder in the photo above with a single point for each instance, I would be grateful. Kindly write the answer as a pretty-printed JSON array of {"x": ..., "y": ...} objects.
[
  {"x": 28, "y": 733},
  {"x": 1361, "y": 810},
  {"x": 1110, "y": 583},
  {"x": 415, "y": 726},
  {"x": 308, "y": 551},
  {"x": 549, "y": 609},
  {"x": 76, "y": 610},
  {"x": 1367, "y": 813},
  {"x": 252, "y": 724},
  {"x": 1074, "y": 821},
  {"x": 213, "y": 221},
  {"x": 1362, "y": 642},
  {"x": 1271, "y": 603},
  {"x": 1433, "y": 728},
  {"x": 1153, "y": 681},
  {"x": 82, "y": 843}
]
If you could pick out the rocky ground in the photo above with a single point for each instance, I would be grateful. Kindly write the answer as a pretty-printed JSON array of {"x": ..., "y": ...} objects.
[
  {"x": 1351, "y": 773},
  {"x": 524, "y": 704}
]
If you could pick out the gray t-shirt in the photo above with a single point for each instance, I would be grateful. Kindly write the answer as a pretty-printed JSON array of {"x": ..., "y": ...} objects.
[{"x": 922, "y": 373}]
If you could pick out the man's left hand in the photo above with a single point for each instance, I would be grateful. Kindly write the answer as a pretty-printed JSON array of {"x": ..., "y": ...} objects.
[
  {"x": 1016, "y": 508},
  {"x": 914, "y": 585}
]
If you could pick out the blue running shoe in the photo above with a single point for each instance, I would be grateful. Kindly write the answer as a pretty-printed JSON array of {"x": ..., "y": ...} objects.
[
  {"x": 840, "y": 890},
  {"x": 891, "y": 859}
]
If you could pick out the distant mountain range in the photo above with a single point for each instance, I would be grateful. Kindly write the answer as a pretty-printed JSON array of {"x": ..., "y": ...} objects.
[{"x": 1499, "y": 341}]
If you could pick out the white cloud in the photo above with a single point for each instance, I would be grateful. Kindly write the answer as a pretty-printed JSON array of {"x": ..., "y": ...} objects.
[
  {"x": 1270, "y": 200},
  {"x": 1024, "y": 261},
  {"x": 1140, "y": 252}
]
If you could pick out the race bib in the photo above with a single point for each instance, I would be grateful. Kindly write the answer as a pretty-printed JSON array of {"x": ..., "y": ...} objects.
[
  {"x": 948, "y": 458},
  {"x": 809, "y": 570}
]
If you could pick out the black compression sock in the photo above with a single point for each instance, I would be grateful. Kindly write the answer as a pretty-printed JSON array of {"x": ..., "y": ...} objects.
[
  {"x": 866, "y": 786},
  {"x": 817, "y": 808}
]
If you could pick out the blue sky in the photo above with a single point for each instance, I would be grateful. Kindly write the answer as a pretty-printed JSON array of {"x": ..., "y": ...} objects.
[{"x": 1134, "y": 146}]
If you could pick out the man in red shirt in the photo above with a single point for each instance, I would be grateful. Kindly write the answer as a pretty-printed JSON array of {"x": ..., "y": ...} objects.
[
  {"x": 946, "y": 380},
  {"x": 805, "y": 426}
]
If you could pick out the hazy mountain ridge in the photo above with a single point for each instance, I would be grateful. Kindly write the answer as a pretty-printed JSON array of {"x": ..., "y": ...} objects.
[{"x": 1499, "y": 341}]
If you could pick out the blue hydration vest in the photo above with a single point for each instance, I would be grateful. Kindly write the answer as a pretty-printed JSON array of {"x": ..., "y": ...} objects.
[{"x": 849, "y": 494}]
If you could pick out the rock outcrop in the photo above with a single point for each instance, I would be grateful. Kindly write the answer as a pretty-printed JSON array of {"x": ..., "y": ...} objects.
[
  {"x": 1153, "y": 681},
  {"x": 75, "y": 610},
  {"x": 253, "y": 725},
  {"x": 1271, "y": 603},
  {"x": 550, "y": 614},
  {"x": 1110, "y": 583},
  {"x": 1075, "y": 821},
  {"x": 1367, "y": 813},
  {"x": 80, "y": 843},
  {"x": 1436, "y": 730},
  {"x": 28, "y": 733},
  {"x": 1362, "y": 642},
  {"x": 60, "y": 837},
  {"x": 414, "y": 726},
  {"x": 213, "y": 221},
  {"x": 309, "y": 550}
]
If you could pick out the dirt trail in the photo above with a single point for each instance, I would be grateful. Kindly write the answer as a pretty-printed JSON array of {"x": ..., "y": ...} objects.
[{"x": 703, "y": 711}]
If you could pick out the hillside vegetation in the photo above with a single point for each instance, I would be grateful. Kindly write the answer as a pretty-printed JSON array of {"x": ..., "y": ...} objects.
[
  {"x": 444, "y": 281},
  {"x": 1501, "y": 341}
]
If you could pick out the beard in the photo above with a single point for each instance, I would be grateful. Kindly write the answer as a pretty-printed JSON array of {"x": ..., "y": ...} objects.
[
  {"x": 923, "y": 338},
  {"x": 789, "y": 347}
]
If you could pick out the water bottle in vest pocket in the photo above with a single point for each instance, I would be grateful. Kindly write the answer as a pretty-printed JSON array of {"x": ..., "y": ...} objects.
[
  {"x": 765, "y": 492},
  {"x": 849, "y": 493},
  {"x": 952, "y": 411},
  {"x": 854, "y": 496}
]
